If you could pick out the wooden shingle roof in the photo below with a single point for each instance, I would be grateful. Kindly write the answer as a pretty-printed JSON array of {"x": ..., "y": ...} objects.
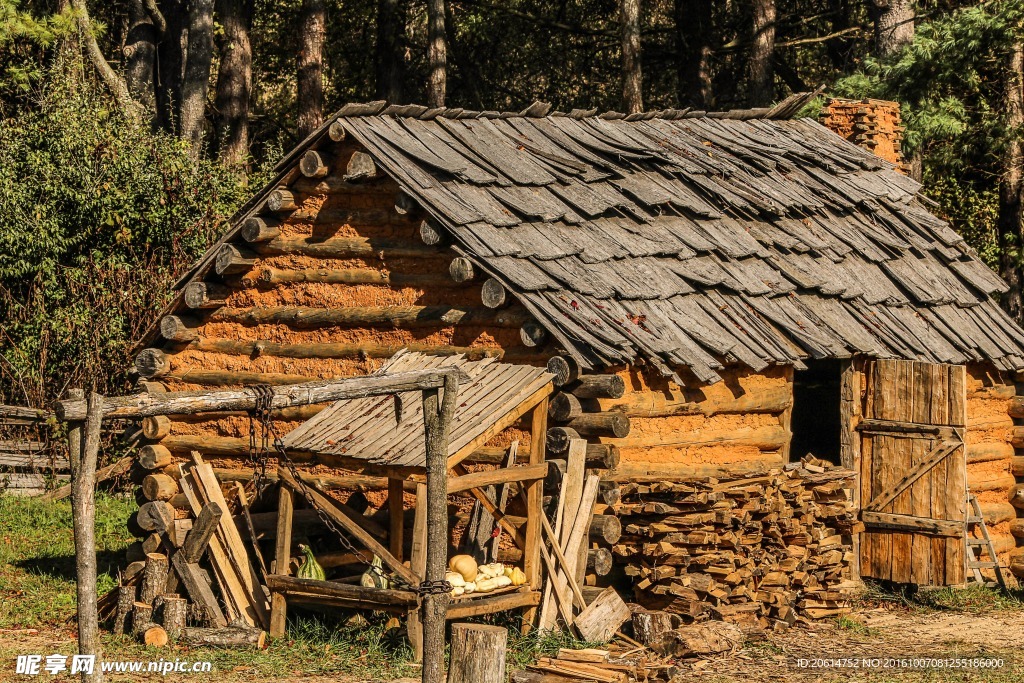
[
  {"x": 387, "y": 431},
  {"x": 697, "y": 240}
]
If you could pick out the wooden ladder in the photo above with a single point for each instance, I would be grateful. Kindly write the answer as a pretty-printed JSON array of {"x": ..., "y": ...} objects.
[{"x": 974, "y": 563}]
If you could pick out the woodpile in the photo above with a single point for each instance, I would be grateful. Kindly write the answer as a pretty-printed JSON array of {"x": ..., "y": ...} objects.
[{"x": 760, "y": 551}]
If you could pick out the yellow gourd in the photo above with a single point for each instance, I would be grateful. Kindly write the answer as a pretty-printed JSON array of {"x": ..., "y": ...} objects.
[
  {"x": 465, "y": 565},
  {"x": 517, "y": 576}
]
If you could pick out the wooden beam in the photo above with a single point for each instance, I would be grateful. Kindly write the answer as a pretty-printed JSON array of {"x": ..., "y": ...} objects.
[
  {"x": 486, "y": 478},
  {"x": 291, "y": 586},
  {"x": 911, "y": 523},
  {"x": 188, "y": 402},
  {"x": 393, "y": 317}
]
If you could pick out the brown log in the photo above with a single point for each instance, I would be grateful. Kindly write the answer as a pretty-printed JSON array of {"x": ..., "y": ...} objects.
[
  {"x": 605, "y": 529},
  {"x": 558, "y": 439},
  {"x": 198, "y": 586},
  {"x": 1017, "y": 465},
  {"x": 315, "y": 164},
  {"x": 986, "y": 481},
  {"x": 156, "y": 427},
  {"x": 360, "y": 166},
  {"x": 566, "y": 369},
  {"x": 151, "y": 544},
  {"x": 767, "y": 438},
  {"x": 282, "y": 200},
  {"x": 200, "y": 295},
  {"x": 564, "y": 407},
  {"x": 461, "y": 269},
  {"x": 350, "y": 276},
  {"x": 1016, "y": 566},
  {"x": 156, "y": 515},
  {"x": 598, "y": 386},
  {"x": 132, "y": 524},
  {"x": 1017, "y": 497},
  {"x": 431, "y": 234},
  {"x": 224, "y": 637},
  {"x": 1015, "y": 407},
  {"x": 125, "y": 602},
  {"x": 175, "y": 611},
  {"x": 398, "y": 317},
  {"x": 231, "y": 260},
  {"x": 494, "y": 295},
  {"x": 987, "y": 452},
  {"x": 997, "y": 513},
  {"x": 477, "y": 654},
  {"x": 601, "y": 424},
  {"x": 259, "y": 229},
  {"x": 353, "y": 482},
  {"x": 154, "y": 457},
  {"x": 336, "y": 131},
  {"x": 176, "y": 329},
  {"x": 599, "y": 561},
  {"x": 527, "y": 676},
  {"x": 335, "y": 350},
  {"x": 154, "y": 578},
  {"x": 602, "y": 456},
  {"x": 650, "y": 625},
  {"x": 160, "y": 487},
  {"x": 154, "y": 635},
  {"x": 532, "y": 334},
  {"x": 142, "y": 618},
  {"x": 344, "y": 248},
  {"x": 676, "y": 401},
  {"x": 610, "y": 493},
  {"x": 1018, "y": 437},
  {"x": 151, "y": 363},
  {"x": 1017, "y": 527}
]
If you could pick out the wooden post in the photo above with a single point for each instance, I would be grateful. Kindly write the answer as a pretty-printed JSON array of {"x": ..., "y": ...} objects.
[
  {"x": 418, "y": 565},
  {"x": 850, "y": 414},
  {"x": 282, "y": 559},
  {"x": 437, "y": 417},
  {"x": 478, "y": 654},
  {"x": 534, "y": 507},
  {"x": 396, "y": 508},
  {"x": 83, "y": 500}
]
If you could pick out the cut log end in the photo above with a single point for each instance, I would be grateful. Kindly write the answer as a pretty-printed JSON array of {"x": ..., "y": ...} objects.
[
  {"x": 257, "y": 229},
  {"x": 336, "y": 131},
  {"x": 281, "y": 200},
  {"x": 231, "y": 260},
  {"x": 314, "y": 164},
  {"x": 566, "y": 369},
  {"x": 405, "y": 205},
  {"x": 154, "y": 636},
  {"x": 204, "y": 295},
  {"x": 558, "y": 439},
  {"x": 461, "y": 269},
  {"x": 533, "y": 334},
  {"x": 175, "y": 329},
  {"x": 151, "y": 363},
  {"x": 361, "y": 166},
  {"x": 432, "y": 234}
]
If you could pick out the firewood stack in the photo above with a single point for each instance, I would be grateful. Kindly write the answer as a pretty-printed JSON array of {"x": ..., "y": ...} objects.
[{"x": 761, "y": 551}]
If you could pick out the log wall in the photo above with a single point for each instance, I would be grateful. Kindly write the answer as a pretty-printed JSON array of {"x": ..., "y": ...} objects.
[{"x": 990, "y": 452}]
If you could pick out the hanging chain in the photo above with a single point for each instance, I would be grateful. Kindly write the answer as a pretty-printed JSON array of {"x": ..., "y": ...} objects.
[{"x": 259, "y": 452}]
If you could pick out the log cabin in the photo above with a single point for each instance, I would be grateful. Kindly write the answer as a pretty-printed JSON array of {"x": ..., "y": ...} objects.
[{"x": 717, "y": 294}]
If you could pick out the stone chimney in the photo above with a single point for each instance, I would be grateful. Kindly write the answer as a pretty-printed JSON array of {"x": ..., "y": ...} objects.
[{"x": 871, "y": 124}]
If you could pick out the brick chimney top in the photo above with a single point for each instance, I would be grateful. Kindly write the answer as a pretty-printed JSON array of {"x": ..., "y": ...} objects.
[{"x": 871, "y": 124}]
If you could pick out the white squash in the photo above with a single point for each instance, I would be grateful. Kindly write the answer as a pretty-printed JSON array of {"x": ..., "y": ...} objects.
[
  {"x": 470, "y": 587},
  {"x": 455, "y": 579},
  {"x": 486, "y": 586},
  {"x": 457, "y": 591},
  {"x": 465, "y": 565},
  {"x": 502, "y": 581},
  {"x": 491, "y": 570}
]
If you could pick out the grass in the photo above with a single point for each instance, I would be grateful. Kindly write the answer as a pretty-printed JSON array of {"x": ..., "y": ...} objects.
[
  {"x": 37, "y": 591},
  {"x": 845, "y": 623},
  {"x": 972, "y": 599}
]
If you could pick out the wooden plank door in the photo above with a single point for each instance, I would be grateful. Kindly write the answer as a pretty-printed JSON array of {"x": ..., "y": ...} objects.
[{"x": 913, "y": 487}]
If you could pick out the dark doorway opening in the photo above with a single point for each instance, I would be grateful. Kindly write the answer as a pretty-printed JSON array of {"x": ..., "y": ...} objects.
[{"x": 816, "y": 420}]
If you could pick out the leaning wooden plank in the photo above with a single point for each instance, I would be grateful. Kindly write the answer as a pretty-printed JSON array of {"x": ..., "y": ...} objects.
[
  {"x": 603, "y": 617},
  {"x": 326, "y": 504},
  {"x": 237, "y": 552},
  {"x": 577, "y": 534},
  {"x": 108, "y": 472},
  {"x": 199, "y": 589},
  {"x": 231, "y": 589},
  {"x": 569, "y": 500}
]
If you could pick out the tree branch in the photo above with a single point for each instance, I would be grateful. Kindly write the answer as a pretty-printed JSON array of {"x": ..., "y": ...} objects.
[{"x": 114, "y": 82}]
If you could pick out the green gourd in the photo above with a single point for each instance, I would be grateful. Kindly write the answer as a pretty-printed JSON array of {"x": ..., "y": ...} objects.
[
  {"x": 310, "y": 568},
  {"x": 374, "y": 577}
]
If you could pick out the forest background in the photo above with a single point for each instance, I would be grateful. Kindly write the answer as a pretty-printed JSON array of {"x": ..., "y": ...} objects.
[{"x": 130, "y": 130}]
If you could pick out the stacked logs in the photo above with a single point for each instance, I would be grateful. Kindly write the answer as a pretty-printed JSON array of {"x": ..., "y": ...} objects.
[
  {"x": 759, "y": 551},
  {"x": 1015, "y": 408}
]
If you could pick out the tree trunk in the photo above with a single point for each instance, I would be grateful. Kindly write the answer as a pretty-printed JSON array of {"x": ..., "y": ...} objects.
[
  {"x": 894, "y": 26},
  {"x": 110, "y": 78},
  {"x": 437, "y": 53},
  {"x": 762, "y": 54},
  {"x": 171, "y": 65},
  {"x": 196, "y": 82},
  {"x": 311, "y": 66},
  {"x": 632, "y": 73},
  {"x": 83, "y": 507},
  {"x": 390, "y": 59},
  {"x": 1011, "y": 185},
  {"x": 693, "y": 52},
  {"x": 234, "y": 81},
  {"x": 140, "y": 53}
]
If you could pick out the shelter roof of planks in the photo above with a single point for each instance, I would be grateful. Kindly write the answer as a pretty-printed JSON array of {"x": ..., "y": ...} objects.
[
  {"x": 387, "y": 431},
  {"x": 691, "y": 238}
]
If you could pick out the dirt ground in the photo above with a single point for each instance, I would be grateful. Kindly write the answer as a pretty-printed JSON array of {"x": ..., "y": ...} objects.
[{"x": 876, "y": 645}]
